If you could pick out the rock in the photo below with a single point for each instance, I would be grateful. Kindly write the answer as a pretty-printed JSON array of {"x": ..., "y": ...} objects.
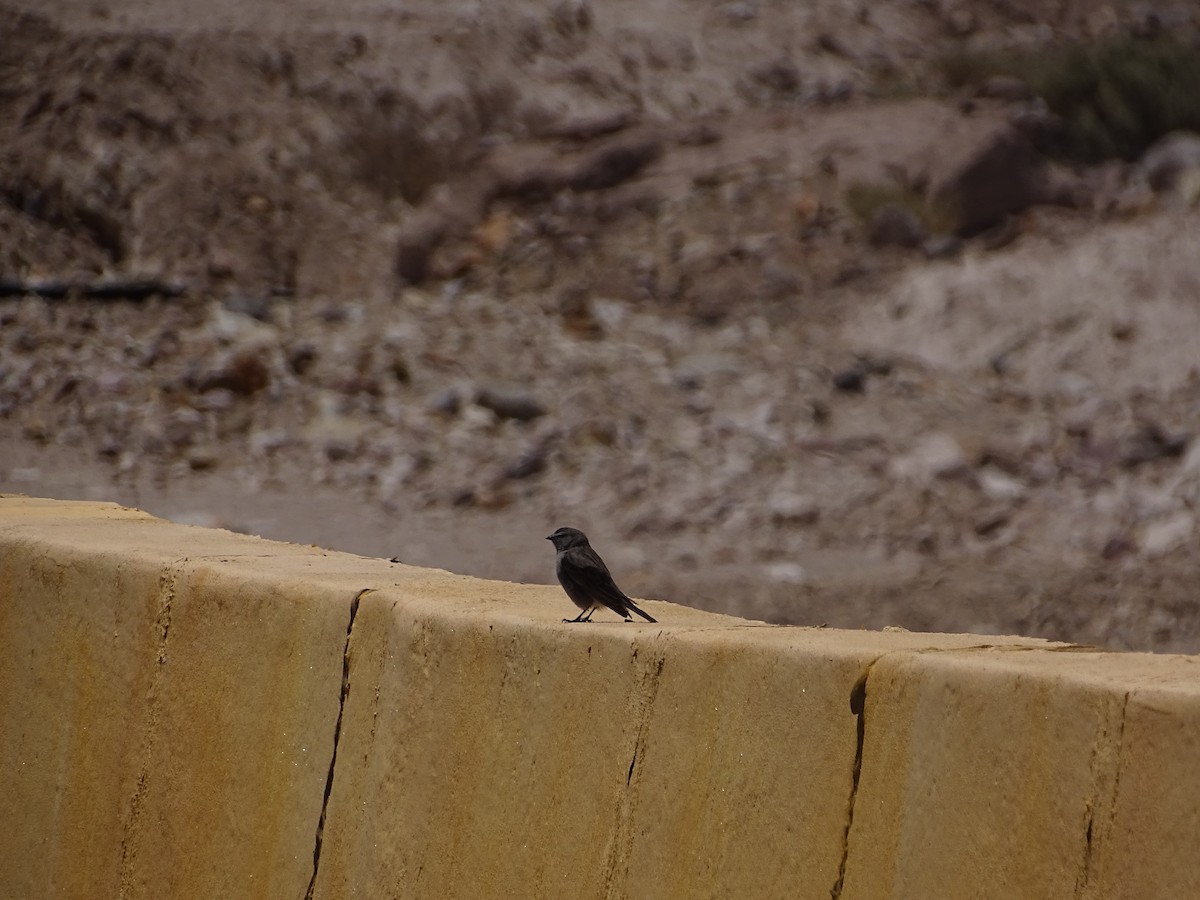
[
  {"x": 1003, "y": 175},
  {"x": 791, "y": 508},
  {"x": 257, "y": 306},
  {"x": 340, "y": 449},
  {"x": 701, "y": 367},
  {"x": 586, "y": 127},
  {"x": 333, "y": 314},
  {"x": 243, "y": 372},
  {"x": 615, "y": 162},
  {"x": 1169, "y": 160},
  {"x": 895, "y": 225},
  {"x": 202, "y": 459},
  {"x": 230, "y": 326},
  {"x": 1116, "y": 546},
  {"x": 398, "y": 366},
  {"x": 938, "y": 455},
  {"x": 1164, "y": 535},
  {"x": 415, "y": 247},
  {"x": 1152, "y": 443},
  {"x": 301, "y": 357},
  {"x": 988, "y": 523},
  {"x": 447, "y": 402},
  {"x": 852, "y": 380},
  {"x": 530, "y": 463},
  {"x": 221, "y": 264},
  {"x": 530, "y": 178},
  {"x": 510, "y": 403},
  {"x": 578, "y": 318},
  {"x": 998, "y": 486}
]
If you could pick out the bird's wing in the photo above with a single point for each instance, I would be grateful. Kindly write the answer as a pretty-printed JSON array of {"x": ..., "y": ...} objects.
[{"x": 587, "y": 572}]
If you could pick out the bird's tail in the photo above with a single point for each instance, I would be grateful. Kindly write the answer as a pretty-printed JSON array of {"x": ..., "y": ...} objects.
[{"x": 641, "y": 612}]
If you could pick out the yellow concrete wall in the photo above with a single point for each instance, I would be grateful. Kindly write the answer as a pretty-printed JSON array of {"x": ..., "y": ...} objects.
[{"x": 172, "y": 698}]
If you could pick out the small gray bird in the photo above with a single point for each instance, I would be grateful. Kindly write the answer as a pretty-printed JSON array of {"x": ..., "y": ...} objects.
[{"x": 586, "y": 578}]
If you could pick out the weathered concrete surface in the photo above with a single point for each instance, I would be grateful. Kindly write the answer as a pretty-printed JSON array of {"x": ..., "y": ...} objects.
[
  {"x": 1010, "y": 772},
  {"x": 190, "y": 712}
]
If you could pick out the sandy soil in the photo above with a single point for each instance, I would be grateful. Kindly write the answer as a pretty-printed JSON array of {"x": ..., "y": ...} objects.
[{"x": 453, "y": 276}]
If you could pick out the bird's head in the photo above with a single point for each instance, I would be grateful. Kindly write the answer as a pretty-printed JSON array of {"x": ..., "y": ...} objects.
[{"x": 566, "y": 538}]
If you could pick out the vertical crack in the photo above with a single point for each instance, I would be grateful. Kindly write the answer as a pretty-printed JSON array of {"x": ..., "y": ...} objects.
[
  {"x": 1102, "y": 805},
  {"x": 858, "y": 706},
  {"x": 131, "y": 826},
  {"x": 337, "y": 734},
  {"x": 1116, "y": 789},
  {"x": 622, "y": 839},
  {"x": 1085, "y": 869}
]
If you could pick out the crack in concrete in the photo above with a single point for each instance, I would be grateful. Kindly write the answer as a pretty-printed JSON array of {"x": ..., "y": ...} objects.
[
  {"x": 162, "y": 621},
  {"x": 1112, "y": 796},
  {"x": 1106, "y": 785},
  {"x": 858, "y": 706},
  {"x": 337, "y": 735},
  {"x": 131, "y": 828},
  {"x": 1116, "y": 789},
  {"x": 622, "y": 839}
]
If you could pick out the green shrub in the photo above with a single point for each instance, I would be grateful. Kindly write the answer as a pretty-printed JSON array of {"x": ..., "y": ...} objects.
[{"x": 1115, "y": 98}]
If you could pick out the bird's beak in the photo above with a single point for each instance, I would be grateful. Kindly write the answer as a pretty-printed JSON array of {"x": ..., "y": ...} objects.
[{"x": 549, "y": 537}]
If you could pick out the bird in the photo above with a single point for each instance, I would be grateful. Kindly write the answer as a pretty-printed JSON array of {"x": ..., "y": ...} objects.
[{"x": 586, "y": 579}]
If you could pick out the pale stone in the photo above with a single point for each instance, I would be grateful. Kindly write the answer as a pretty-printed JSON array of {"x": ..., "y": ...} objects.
[{"x": 1161, "y": 536}]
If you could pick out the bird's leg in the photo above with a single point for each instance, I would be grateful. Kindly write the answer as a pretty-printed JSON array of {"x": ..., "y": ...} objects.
[
  {"x": 589, "y": 614},
  {"x": 578, "y": 618}
]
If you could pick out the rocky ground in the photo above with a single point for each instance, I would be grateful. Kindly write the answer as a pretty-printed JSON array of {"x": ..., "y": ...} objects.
[{"x": 791, "y": 322}]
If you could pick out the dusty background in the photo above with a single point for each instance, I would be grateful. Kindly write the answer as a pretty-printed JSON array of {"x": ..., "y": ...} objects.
[{"x": 430, "y": 280}]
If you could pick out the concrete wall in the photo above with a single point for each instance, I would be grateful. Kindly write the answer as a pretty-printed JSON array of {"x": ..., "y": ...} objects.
[{"x": 193, "y": 713}]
